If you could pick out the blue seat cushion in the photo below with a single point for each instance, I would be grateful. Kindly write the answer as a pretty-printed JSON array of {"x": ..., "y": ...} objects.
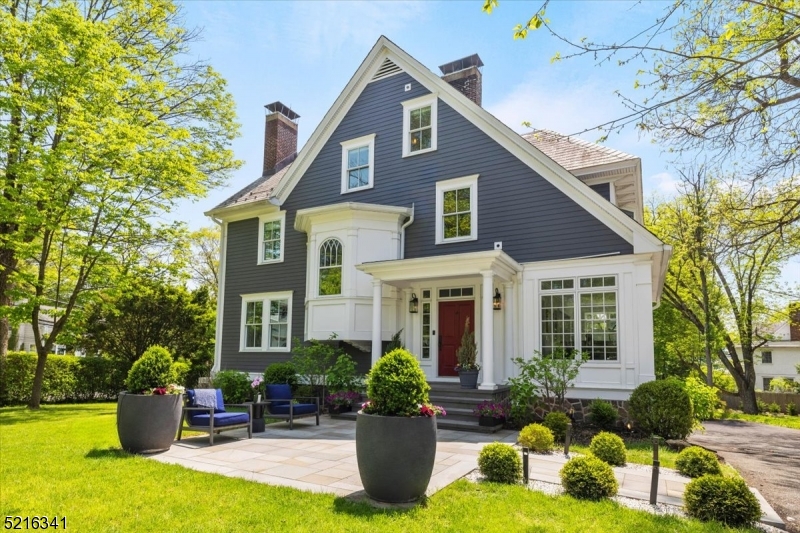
[
  {"x": 220, "y": 403},
  {"x": 298, "y": 408},
  {"x": 220, "y": 419},
  {"x": 280, "y": 392}
]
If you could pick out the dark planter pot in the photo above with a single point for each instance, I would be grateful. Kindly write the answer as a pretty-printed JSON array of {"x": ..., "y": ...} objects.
[
  {"x": 490, "y": 421},
  {"x": 148, "y": 424},
  {"x": 468, "y": 379},
  {"x": 337, "y": 409},
  {"x": 395, "y": 456}
]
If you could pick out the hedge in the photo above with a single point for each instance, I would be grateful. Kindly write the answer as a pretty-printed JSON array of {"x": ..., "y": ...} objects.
[{"x": 66, "y": 378}]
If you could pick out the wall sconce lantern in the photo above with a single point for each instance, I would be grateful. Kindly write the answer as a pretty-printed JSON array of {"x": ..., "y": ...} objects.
[
  {"x": 413, "y": 304},
  {"x": 496, "y": 300}
]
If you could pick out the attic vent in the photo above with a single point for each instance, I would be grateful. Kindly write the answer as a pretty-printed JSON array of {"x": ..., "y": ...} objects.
[{"x": 387, "y": 69}]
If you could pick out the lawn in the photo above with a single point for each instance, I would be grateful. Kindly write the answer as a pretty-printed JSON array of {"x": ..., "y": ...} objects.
[
  {"x": 639, "y": 452},
  {"x": 786, "y": 421},
  {"x": 65, "y": 461}
]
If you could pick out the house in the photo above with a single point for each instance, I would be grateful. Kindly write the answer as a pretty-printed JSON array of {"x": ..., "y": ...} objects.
[
  {"x": 780, "y": 356},
  {"x": 412, "y": 208}
]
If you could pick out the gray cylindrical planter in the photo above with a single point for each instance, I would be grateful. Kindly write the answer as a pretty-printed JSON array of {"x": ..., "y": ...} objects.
[
  {"x": 395, "y": 456},
  {"x": 148, "y": 423},
  {"x": 468, "y": 379}
]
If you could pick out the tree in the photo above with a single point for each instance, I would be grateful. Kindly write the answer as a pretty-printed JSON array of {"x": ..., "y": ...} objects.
[
  {"x": 103, "y": 128},
  {"x": 204, "y": 266}
]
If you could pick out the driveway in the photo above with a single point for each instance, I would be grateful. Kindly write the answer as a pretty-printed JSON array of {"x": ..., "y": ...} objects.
[{"x": 768, "y": 457}]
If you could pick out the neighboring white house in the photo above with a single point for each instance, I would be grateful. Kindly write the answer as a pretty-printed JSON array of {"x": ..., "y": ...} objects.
[
  {"x": 779, "y": 357},
  {"x": 25, "y": 341}
]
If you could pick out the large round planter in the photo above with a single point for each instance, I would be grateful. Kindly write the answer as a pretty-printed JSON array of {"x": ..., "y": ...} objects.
[
  {"x": 468, "y": 379},
  {"x": 148, "y": 423},
  {"x": 395, "y": 456}
]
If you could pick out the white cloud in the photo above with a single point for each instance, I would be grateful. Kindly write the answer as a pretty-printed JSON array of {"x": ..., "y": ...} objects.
[{"x": 662, "y": 183}]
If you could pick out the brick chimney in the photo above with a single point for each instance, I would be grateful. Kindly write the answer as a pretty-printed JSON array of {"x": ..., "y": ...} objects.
[
  {"x": 794, "y": 322},
  {"x": 465, "y": 75},
  {"x": 280, "y": 137}
]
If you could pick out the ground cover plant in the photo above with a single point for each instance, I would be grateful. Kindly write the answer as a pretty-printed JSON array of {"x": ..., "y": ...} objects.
[{"x": 65, "y": 460}]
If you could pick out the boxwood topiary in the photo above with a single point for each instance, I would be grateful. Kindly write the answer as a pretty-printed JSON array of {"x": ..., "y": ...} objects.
[
  {"x": 588, "y": 478},
  {"x": 500, "y": 463},
  {"x": 695, "y": 461},
  {"x": 557, "y": 422},
  {"x": 153, "y": 369},
  {"x": 609, "y": 448},
  {"x": 536, "y": 437},
  {"x": 726, "y": 500},
  {"x": 396, "y": 385},
  {"x": 602, "y": 414},
  {"x": 662, "y": 408},
  {"x": 280, "y": 373}
]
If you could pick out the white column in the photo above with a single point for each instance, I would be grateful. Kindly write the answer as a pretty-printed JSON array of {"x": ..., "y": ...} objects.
[
  {"x": 377, "y": 309},
  {"x": 508, "y": 322},
  {"x": 487, "y": 330}
]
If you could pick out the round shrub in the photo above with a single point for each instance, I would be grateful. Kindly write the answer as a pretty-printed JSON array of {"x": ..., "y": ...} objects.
[
  {"x": 609, "y": 448},
  {"x": 500, "y": 463},
  {"x": 235, "y": 386},
  {"x": 695, "y": 461},
  {"x": 180, "y": 371},
  {"x": 280, "y": 373},
  {"x": 536, "y": 437},
  {"x": 588, "y": 478},
  {"x": 153, "y": 369},
  {"x": 726, "y": 500},
  {"x": 704, "y": 398},
  {"x": 396, "y": 385},
  {"x": 557, "y": 422},
  {"x": 662, "y": 408},
  {"x": 602, "y": 414}
]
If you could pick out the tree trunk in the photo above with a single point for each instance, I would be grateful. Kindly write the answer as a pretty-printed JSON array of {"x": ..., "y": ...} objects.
[
  {"x": 38, "y": 379},
  {"x": 747, "y": 395}
]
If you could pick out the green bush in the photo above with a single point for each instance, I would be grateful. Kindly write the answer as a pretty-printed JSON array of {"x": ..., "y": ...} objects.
[
  {"x": 762, "y": 406},
  {"x": 726, "y": 500},
  {"x": 99, "y": 378},
  {"x": 536, "y": 437},
  {"x": 695, "y": 461},
  {"x": 609, "y": 448},
  {"x": 774, "y": 408},
  {"x": 588, "y": 478},
  {"x": 153, "y": 369},
  {"x": 704, "y": 398},
  {"x": 396, "y": 385},
  {"x": 180, "y": 371},
  {"x": 235, "y": 386},
  {"x": 279, "y": 373},
  {"x": 662, "y": 408},
  {"x": 602, "y": 414},
  {"x": 791, "y": 409},
  {"x": 342, "y": 375},
  {"x": 500, "y": 463},
  {"x": 557, "y": 422}
]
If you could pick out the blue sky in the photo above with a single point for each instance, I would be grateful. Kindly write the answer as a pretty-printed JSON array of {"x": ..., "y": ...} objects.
[{"x": 304, "y": 53}]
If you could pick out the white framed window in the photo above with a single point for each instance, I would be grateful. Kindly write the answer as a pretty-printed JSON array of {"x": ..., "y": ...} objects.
[
  {"x": 266, "y": 322},
  {"x": 580, "y": 315},
  {"x": 271, "y": 231},
  {"x": 330, "y": 267},
  {"x": 766, "y": 357},
  {"x": 420, "y": 125},
  {"x": 358, "y": 164},
  {"x": 457, "y": 209}
]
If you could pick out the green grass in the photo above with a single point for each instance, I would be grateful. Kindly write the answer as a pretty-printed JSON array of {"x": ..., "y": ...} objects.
[
  {"x": 65, "y": 461},
  {"x": 786, "y": 421}
]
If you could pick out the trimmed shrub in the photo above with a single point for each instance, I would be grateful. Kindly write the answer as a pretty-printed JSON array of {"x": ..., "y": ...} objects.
[
  {"x": 662, "y": 408},
  {"x": 602, "y": 414},
  {"x": 396, "y": 385},
  {"x": 99, "y": 378},
  {"x": 588, "y": 478},
  {"x": 791, "y": 409},
  {"x": 557, "y": 422},
  {"x": 704, "y": 398},
  {"x": 726, "y": 500},
  {"x": 695, "y": 461},
  {"x": 180, "y": 371},
  {"x": 761, "y": 405},
  {"x": 153, "y": 369},
  {"x": 774, "y": 408},
  {"x": 536, "y": 437},
  {"x": 500, "y": 463},
  {"x": 609, "y": 448},
  {"x": 235, "y": 385},
  {"x": 280, "y": 373}
]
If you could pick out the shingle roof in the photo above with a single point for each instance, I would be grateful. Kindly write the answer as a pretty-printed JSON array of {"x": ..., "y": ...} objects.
[
  {"x": 261, "y": 189},
  {"x": 573, "y": 153}
]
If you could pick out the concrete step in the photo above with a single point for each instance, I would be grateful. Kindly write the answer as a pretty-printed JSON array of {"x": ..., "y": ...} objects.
[{"x": 444, "y": 422}]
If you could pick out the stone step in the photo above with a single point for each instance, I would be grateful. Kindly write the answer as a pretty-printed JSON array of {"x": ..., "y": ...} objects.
[{"x": 442, "y": 423}]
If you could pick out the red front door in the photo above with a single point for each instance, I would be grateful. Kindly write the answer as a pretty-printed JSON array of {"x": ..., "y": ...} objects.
[{"x": 452, "y": 316}]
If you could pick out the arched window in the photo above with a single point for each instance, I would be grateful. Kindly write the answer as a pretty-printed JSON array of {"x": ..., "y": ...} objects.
[{"x": 330, "y": 267}]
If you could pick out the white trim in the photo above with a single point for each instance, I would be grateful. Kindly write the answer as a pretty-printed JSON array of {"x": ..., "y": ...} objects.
[
  {"x": 281, "y": 215},
  {"x": 431, "y": 100},
  {"x": 368, "y": 141},
  {"x": 223, "y": 248},
  {"x": 304, "y": 217},
  {"x": 400, "y": 271},
  {"x": 266, "y": 298},
  {"x": 442, "y": 187}
]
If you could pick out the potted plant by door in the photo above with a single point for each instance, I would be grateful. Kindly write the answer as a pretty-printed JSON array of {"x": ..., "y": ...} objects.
[
  {"x": 396, "y": 430},
  {"x": 149, "y": 412},
  {"x": 491, "y": 413},
  {"x": 466, "y": 354}
]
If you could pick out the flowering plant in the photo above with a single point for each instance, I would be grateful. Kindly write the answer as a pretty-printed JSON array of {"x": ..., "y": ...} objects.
[
  {"x": 492, "y": 409},
  {"x": 256, "y": 386},
  {"x": 169, "y": 389},
  {"x": 425, "y": 409},
  {"x": 343, "y": 398}
]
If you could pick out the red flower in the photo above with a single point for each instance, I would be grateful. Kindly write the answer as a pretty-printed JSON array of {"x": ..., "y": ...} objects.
[{"x": 160, "y": 391}]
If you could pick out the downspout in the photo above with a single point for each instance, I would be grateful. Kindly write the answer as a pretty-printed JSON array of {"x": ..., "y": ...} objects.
[
  {"x": 402, "y": 254},
  {"x": 220, "y": 293}
]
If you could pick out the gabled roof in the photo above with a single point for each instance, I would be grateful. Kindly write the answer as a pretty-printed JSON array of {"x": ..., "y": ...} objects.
[
  {"x": 573, "y": 153},
  {"x": 259, "y": 190}
]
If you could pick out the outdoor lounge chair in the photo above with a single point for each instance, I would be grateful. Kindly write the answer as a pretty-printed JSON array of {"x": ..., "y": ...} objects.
[
  {"x": 214, "y": 419},
  {"x": 280, "y": 404}
]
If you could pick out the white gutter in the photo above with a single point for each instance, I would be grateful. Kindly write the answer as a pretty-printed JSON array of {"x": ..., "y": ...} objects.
[{"x": 402, "y": 254}]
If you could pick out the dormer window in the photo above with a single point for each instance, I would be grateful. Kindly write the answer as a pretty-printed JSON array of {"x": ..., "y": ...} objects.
[
  {"x": 358, "y": 163},
  {"x": 420, "y": 125}
]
